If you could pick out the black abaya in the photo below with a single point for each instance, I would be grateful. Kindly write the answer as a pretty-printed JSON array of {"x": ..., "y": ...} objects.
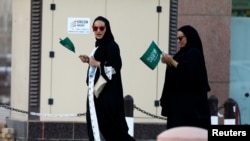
[{"x": 110, "y": 105}]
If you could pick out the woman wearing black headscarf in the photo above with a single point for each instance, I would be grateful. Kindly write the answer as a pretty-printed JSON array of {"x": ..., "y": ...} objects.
[
  {"x": 184, "y": 99},
  {"x": 109, "y": 104}
]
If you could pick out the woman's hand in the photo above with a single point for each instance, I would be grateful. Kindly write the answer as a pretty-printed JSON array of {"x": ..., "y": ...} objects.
[
  {"x": 84, "y": 58},
  {"x": 90, "y": 60},
  {"x": 168, "y": 59}
]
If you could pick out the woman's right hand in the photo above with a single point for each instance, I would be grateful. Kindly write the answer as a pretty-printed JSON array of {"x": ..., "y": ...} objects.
[
  {"x": 84, "y": 58},
  {"x": 168, "y": 59}
]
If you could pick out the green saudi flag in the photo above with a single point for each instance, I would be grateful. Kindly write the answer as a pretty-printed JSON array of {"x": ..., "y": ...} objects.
[
  {"x": 152, "y": 55},
  {"x": 66, "y": 42}
]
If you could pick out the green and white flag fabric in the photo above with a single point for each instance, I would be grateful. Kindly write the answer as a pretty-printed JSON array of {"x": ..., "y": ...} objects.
[
  {"x": 67, "y": 43},
  {"x": 152, "y": 55}
]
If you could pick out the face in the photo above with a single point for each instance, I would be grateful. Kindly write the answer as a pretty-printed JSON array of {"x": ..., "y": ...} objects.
[
  {"x": 99, "y": 29},
  {"x": 181, "y": 39}
]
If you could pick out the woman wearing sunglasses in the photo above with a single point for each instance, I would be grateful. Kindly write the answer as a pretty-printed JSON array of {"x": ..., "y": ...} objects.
[
  {"x": 109, "y": 105},
  {"x": 184, "y": 99}
]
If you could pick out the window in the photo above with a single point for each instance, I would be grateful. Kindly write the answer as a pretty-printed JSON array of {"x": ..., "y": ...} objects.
[{"x": 241, "y": 8}]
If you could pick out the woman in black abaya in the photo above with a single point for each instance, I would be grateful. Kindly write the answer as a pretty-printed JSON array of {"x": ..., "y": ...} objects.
[
  {"x": 109, "y": 105},
  {"x": 184, "y": 99}
]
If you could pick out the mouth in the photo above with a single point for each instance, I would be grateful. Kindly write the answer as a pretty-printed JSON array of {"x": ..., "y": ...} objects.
[{"x": 99, "y": 35}]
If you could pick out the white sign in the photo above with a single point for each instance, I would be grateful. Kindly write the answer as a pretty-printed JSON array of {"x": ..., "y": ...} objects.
[{"x": 78, "y": 25}]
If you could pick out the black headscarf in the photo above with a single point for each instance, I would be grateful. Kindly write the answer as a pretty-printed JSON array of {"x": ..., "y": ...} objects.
[
  {"x": 192, "y": 36},
  {"x": 108, "y": 36}
]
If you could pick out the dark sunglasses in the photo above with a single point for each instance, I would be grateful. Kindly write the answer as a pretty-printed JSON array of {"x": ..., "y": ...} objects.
[
  {"x": 101, "y": 28},
  {"x": 180, "y": 38}
]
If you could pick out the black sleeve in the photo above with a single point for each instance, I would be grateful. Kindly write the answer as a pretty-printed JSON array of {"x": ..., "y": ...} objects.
[{"x": 189, "y": 71}]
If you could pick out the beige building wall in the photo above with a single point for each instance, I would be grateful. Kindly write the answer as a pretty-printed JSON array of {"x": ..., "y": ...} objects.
[
  {"x": 20, "y": 57},
  {"x": 63, "y": 78}
]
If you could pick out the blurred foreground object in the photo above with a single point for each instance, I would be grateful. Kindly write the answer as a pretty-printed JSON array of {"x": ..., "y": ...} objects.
[{"x": 183, "y": 133}]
